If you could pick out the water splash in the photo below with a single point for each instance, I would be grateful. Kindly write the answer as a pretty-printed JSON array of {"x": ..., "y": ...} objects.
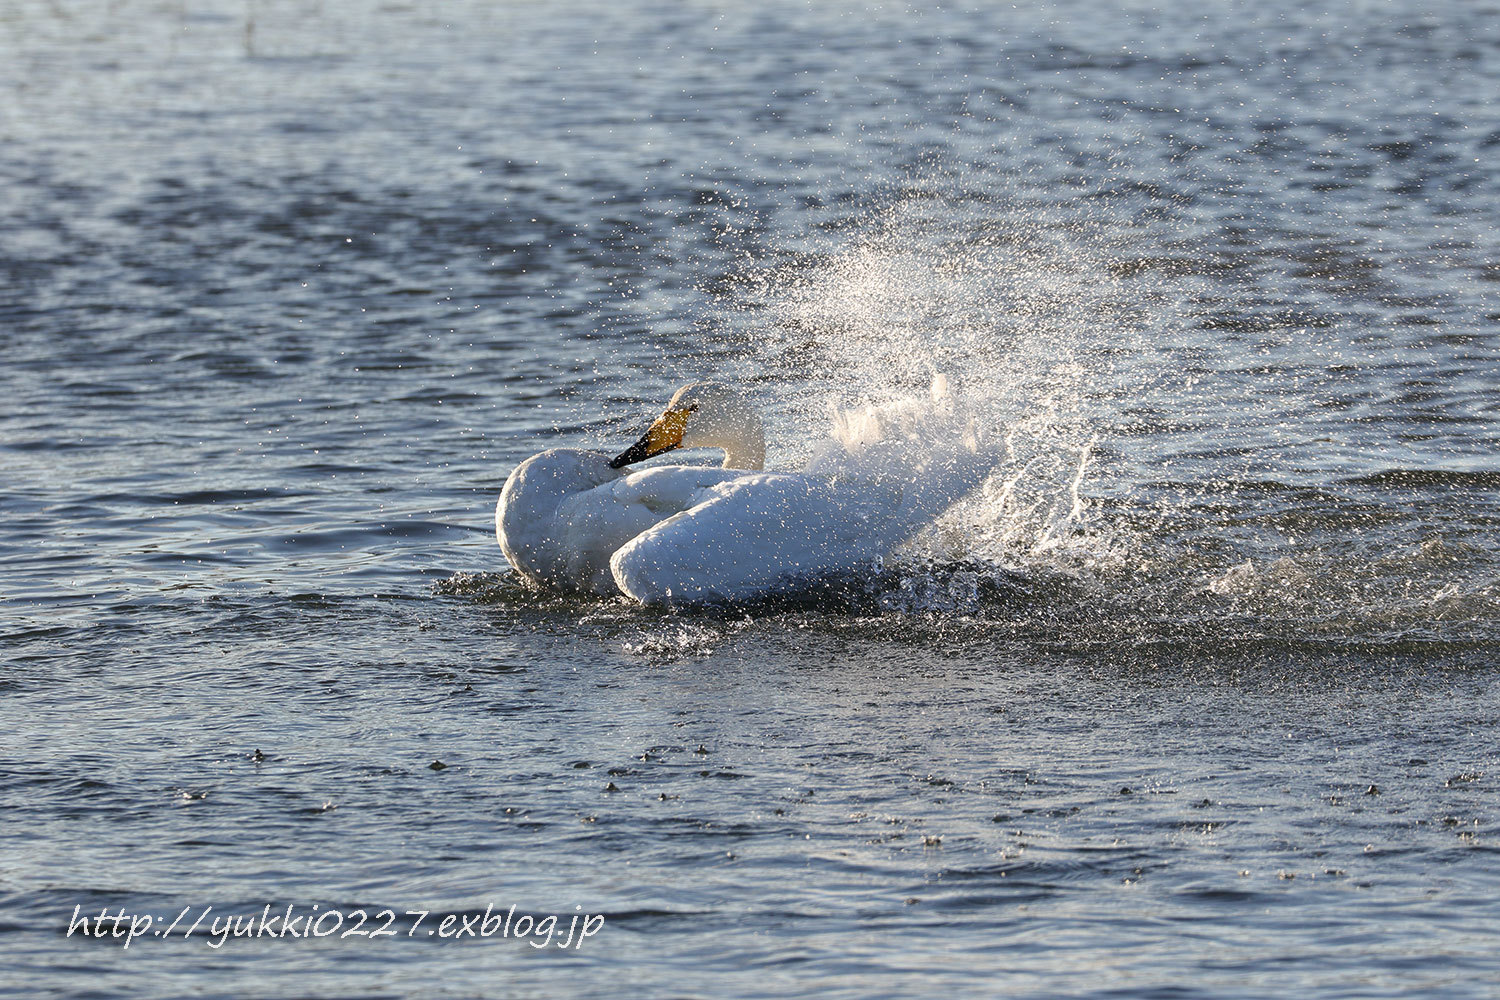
[
  {"x": 1024, "y": 316},
  {"x": 689, "y": 640},
  {"x": 1093, "y": 371}
]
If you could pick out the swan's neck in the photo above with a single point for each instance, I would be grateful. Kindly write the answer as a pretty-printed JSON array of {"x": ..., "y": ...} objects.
[
  {"x": 724, "y": 419},
  {"x": 748, "y": 453}
]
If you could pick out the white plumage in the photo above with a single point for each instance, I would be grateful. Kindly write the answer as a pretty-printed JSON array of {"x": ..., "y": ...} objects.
[{"x": 573, "y": 520}]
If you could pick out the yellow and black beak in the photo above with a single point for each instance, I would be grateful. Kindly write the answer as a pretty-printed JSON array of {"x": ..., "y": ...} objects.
[{"x": 664, "y": 435}]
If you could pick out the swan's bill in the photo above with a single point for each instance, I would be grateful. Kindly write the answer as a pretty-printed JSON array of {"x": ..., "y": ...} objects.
[{"x": 663, "y": 435}]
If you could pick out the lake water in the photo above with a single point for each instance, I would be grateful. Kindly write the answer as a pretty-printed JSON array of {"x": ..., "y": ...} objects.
[{"x": 1198, "y": 696}]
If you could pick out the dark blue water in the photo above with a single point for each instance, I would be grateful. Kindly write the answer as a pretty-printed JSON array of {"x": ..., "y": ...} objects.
[{"x": 1196, "y": 697}]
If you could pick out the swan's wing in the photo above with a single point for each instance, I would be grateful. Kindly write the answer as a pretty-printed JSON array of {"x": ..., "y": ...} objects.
[
  {"x": 757, "y": 532},
  {"x": 591, "y": 525},
  {"x": 670, "y": 489}
]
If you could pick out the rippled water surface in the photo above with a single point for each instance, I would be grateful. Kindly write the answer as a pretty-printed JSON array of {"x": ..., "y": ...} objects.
[{"x": 1197, "y": 696}]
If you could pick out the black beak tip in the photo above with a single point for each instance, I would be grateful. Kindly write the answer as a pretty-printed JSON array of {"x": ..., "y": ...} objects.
[{"x": 637, "y": 452}]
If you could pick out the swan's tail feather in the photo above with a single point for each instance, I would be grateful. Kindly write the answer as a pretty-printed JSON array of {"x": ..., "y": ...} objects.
[{"x": 916, "y": 456}]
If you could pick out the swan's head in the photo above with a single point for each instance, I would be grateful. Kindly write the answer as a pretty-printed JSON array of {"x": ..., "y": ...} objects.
[{"x": 704, "y": 415}]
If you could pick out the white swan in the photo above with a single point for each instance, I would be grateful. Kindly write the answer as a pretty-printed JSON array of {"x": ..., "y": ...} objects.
[{"x": 573, "y": 520}]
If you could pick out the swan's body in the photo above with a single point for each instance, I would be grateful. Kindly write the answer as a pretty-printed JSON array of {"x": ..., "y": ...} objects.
[{"x": 572, "y": 520}]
